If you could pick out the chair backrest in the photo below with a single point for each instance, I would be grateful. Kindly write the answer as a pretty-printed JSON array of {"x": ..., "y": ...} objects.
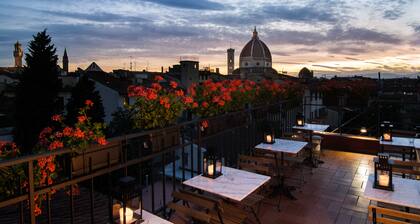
[
  {"x": 193, "y": 204},
  {"x": 391, "y": 216},
  {"x": 406, "y": 167},
  {"x": 259, "y": 164}
]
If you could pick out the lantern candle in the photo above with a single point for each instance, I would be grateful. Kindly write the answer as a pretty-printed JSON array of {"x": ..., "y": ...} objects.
[
  {"x": 300, "y": 122},
  {"x": 387, "y": 137},
  {"x": 268, "y": 138},
  {"x": 384, "y": 180},
  {"x": 128, "y": 215},
  {"x": 211, "y": 170}
]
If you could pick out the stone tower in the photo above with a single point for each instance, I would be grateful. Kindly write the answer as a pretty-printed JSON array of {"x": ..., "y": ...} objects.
[
  {"x": 230, "y": 60},
  {"x": 18, "y": 54},
  {"x": 65, "y": 61},
  {"x": 189, "y": 72}
]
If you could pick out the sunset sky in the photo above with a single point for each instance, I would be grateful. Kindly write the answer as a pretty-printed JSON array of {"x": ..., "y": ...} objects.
[{"x": 328, "y": 36}]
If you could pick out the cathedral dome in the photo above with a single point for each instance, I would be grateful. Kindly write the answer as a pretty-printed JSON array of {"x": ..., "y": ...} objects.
[{"x": 255, "y": 54}]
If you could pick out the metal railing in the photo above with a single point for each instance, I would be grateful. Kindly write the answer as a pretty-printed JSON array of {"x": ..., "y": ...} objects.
[{"x": 159, "y": 166}]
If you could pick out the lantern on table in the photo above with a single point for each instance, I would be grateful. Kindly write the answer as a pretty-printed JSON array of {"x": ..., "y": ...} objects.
[
  {"x": 363, "y": 130},
  {"x": 383, "y": 173},
  {"x": 417, "y": 131},
  {"x": 269, "y": 137},
  {"x": 300, "y": 120},
  {"x": 126, "y": 193},
  {"x": 212, "y": 165},
  {"x": 386, "y": 127}
]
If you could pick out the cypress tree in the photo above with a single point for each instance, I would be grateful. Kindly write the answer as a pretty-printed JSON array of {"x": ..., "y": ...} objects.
[
  {"x": 83, "y": 90},
  {"x": 37, "y": 92}
]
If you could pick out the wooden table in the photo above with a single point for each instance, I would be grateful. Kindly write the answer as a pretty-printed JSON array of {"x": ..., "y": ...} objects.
[
  {"x": 283, "y": 146},
  {"x": 234, "y": 184},
  {"x": 150, "y": 218},
  {"x": 406, "y": 192},
  {"x": 311, "y": 128}
]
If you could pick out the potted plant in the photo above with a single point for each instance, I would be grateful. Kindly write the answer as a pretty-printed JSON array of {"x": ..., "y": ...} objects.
[
  {"x": 158, "y": 107},
  {"x": 217, "y": 98},
  {"x": 85, "y": 138}
]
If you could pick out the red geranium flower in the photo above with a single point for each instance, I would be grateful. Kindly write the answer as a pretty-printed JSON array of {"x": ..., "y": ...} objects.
[
  {"x": 102, "y": 141},
  {"x": 79, "y": 133},
  {"x": 81, "y": 118},
  {"x": 156, "y": 86},
  {"x": 89, "y": 103},
  {"x": 188, "y": 99},
  {"x": 158, "y": 78},
  {"x": 173, "y": 84},
  {"x": 56, "y": 117}
]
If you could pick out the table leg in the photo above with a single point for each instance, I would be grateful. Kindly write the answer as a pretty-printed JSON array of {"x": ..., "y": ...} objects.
[{"x": 286, "y": 190}]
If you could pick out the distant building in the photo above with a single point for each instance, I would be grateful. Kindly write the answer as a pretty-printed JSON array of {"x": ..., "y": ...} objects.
[
  {"x": 255, "y": 60},
  {"x": 65, "y": 61},
  {"x": 230, "y": 61},
  {"x": 305, "y": 73},
  {"x": 18, "y": 54},
  {"x": 189, "y": 72},
  {"x": 93, "y": 67}
]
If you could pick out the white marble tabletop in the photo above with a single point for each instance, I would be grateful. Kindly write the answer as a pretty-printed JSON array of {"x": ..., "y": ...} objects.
[
  {"x": 399, "y": 141},
  {"x": 234, "y": 184},
  {"x": 312, "y": 127},
  {"x": 283, "y": 145},
  {"x": 150, "y": 218},
  {"x": 406, "y": 192},
  {"x": 417, "y": 143}
]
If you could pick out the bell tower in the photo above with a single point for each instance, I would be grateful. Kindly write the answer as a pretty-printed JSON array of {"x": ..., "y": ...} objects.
[
  {"x": 18, "y": 54},
  {"x": 65, "y": 61},
  {"x": 230, "y": 60}
]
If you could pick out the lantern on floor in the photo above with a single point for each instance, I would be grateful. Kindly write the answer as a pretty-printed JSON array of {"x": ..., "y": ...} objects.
[
  {"x": 126, "y": 193},
  {"x": 269, "y": 137},
  {"x": 386, "y": 127},
  {"x": 383, "y": 172},
  {"x": 212, "y": 166},
  {"x": 300, "y": 120}
]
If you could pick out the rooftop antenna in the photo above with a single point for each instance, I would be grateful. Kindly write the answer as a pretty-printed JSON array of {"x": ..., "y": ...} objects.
[
  {"x": 147, "y": 66},
  {"x": 135, "y": 66},
  {"x": 131, "y": 64}
]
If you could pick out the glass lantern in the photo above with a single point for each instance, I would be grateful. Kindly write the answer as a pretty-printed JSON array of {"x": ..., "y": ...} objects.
[
  {"x": 300, "y": 120},
  {"x": 212, "y": 166},
  {"x": 269, "y": 137},
  {"x": 125, "y": 193},
  {"x": 383, "y": 173},
  {"x": 417, "y": 131},
  {"x": 386, "y": 127}
]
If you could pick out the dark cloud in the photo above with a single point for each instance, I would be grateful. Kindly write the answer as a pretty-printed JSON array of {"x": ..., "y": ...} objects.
[
  {"x": 190, "y": 4},
  {"x": 416, "y": 27},
  {"x": 353, "y": 59},
  {"x": 97, "y": 16},
  {"x": 325, "y": 66},
  {"x": 305, "y": 14},
  {"x": 393, "y": 14},
  {"x": 361, "y": 34},
  {"x": 373, "y": 63}
]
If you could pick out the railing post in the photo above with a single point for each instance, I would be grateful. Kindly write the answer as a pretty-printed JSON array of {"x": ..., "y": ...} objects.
[{"x": 31, "y": 191}]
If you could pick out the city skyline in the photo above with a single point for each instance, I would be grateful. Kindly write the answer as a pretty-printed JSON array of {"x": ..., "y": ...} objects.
[{"x": 340, "y": 37}]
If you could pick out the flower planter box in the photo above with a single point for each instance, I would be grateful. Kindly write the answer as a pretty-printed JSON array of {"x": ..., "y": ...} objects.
[
  {"x": 98, "y": 154},
  {"x": 169, "y": 137},
  {"x": 237, "y": 120},
  {"x": 215, "y": 125}
]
